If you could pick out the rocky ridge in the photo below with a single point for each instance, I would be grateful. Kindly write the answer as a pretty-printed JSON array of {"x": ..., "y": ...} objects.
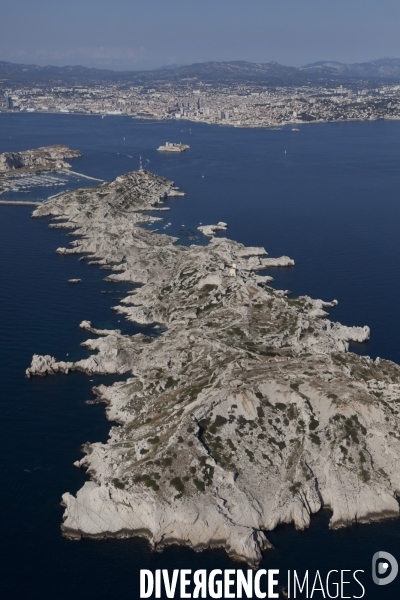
[{"x": 247, "y": 410}]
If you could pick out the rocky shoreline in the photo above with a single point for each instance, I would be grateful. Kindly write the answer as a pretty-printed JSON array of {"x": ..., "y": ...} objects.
[
  {"x": 245, "y": 411},
  {"x": 38, "y": 160}
]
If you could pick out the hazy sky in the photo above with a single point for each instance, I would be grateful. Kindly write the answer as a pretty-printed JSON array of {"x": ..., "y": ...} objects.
[{"x": 128, "y": 34}]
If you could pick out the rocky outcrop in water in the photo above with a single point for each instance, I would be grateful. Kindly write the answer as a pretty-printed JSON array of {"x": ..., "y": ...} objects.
[
  {"x": 244, "y": 411},
  {"x": 211, "y": 230},
  {"x": 48, "y": 158}
]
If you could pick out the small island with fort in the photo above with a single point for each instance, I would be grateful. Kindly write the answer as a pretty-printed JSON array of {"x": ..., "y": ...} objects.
[{"x": 172, "y": 147}]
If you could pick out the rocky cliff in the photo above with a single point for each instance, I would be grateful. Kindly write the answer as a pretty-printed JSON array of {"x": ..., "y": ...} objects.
[
  {"x": 48, "y": 158},
  {"x": 246, "y": 411}
]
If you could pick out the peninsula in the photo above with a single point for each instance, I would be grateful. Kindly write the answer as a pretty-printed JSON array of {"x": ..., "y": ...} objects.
[
  {"x": 244, "y": 411},
  {"x": 37, "y": 160}
]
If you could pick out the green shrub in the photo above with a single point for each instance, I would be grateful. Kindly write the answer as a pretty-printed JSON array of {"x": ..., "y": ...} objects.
[
  {"x": 178, "y": 484},
  {"x": 365, "y": 476},
  {"x": 315, "y": 439},
  {"x": 118, "y": 484},
  {"x": 295, "y": 487},
  {"x": 154, "y": 440},
  {"x": 231, "y": 445},
  {"x": 250, "y": 454}
]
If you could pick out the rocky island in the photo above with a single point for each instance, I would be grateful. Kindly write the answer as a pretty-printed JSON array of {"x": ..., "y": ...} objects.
[
  {"x": 172, "y": 147},
  {"x": 37, "y": 160},
  {"x": 244, "y": 411}
]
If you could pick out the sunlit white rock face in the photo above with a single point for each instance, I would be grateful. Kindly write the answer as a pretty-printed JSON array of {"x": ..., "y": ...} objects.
[
  {"x": 48, "y": 158},
  {"x": 246, "y": 411}
]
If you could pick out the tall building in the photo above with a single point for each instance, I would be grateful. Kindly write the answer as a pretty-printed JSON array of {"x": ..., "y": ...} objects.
[{"x": 9, "y": 102}]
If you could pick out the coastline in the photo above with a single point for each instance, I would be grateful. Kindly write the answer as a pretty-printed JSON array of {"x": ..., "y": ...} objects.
[
  {"x": 242, "y": 538},
  {"x": 273, "y": 126}
]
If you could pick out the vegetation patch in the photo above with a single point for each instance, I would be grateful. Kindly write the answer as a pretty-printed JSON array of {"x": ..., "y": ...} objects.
[
  {"x": 118, "y": 483},
  {"x": 170, "y": 383},
  {"x": 365, "y": 476},
  {"x": 260, "y": 412},
  {"x": 231, "y": 445},
  {"x": 236, "y": 331},
  {"x": 315, "y": 439},
  {"x": 250, "y": 454},
  {"x": 218, "y": 422},
  {"x": 295, "y": 487},
  {"x": 208, "y": 287},
  {"x": 178, "y": 484}
]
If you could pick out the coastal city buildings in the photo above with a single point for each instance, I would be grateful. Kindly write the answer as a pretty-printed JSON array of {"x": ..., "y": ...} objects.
[{"x": 234, "y": 104}]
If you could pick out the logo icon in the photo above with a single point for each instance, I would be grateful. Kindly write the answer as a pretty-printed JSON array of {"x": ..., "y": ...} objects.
[{"x": 385, "y": 564}]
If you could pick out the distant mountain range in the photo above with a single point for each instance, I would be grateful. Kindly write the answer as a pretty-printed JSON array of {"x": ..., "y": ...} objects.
[
  {"x": 271, "y": 73},
  {"x": 384, "y": 68},
  {"x": 22, "y": 72}
]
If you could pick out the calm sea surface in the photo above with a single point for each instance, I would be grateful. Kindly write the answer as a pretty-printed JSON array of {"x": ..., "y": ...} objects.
[{"x": 328, "y": 196}]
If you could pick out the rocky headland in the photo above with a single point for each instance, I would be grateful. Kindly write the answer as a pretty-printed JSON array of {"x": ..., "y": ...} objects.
[
  {"x": 37, "y": 160},
  {"x": 246, "y": 410}
]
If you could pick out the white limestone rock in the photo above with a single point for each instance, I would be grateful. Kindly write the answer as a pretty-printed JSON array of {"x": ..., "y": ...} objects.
[
  {"x": 210, "y": 230},
  {"x": 243, "y": 410}
]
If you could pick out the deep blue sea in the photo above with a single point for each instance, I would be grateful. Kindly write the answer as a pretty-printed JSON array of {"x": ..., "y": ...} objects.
[{"x": 327, "y": 196}]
